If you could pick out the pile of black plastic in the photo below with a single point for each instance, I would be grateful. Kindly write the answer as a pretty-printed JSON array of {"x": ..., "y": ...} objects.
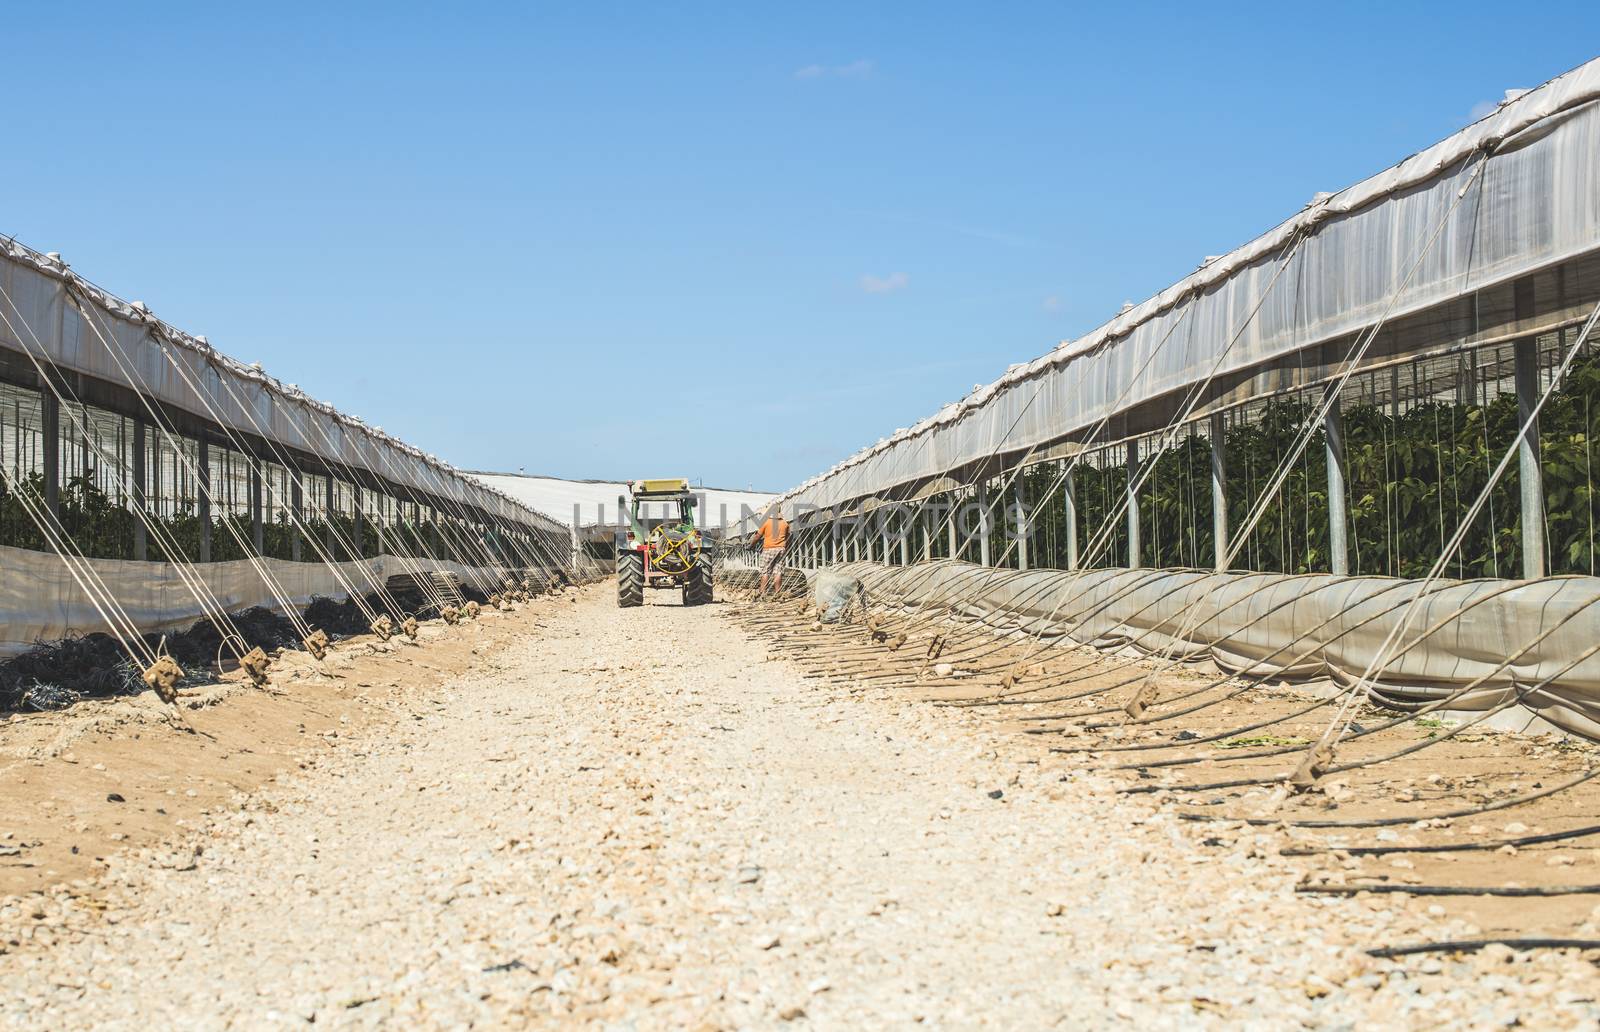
[
  {"x": 196, "y": 649},
  {"x": 58, "y": 674},
  {"x": 54, "y": 675},
  {"x": 341, "y": 619}
]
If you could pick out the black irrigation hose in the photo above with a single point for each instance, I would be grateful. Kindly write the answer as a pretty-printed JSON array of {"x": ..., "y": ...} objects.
[
  {"x": 1390, "y": 822},
  {"x": 1474, "y": 945},
  {"x": 1453, "y": 847},
  {"x": 976, "y": 644},
  {"x": 1337, "y": 768},
  {"x": 1517, "y": 699},
  {"x": 1454, "y": 890},
  {"x": 1404, "y": 718}
]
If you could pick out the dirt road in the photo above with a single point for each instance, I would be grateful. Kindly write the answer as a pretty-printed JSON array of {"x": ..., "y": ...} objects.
[{"x": 634, "y": 817}]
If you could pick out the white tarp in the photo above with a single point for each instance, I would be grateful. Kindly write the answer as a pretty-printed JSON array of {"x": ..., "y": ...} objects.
[
  {"x": 1535, "y": 202},
  {"x": 40, "y": 601},
  {"x": 1304, "y": 627},
  {"x": 140, "y": 350},
  {"x": 595, "y": 501}
]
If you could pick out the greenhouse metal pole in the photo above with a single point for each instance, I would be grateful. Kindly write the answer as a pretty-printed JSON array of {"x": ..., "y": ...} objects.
[
  {"x": 50, "y": 418},
  {"x": 258, "y": 534},
  {"x": 1069, "y": 501},
  {"x": 927, "y": 535},
  {"x": 355, "y": 523},
  {"x": 1132, "y": 492},
  {"x": 297, "y": 504},
  {"x": 141, "y": 540},
  {"x": 327, "y": 514},
  {"x": 1219, "y": 492},
  {"x": 905, "y": 541},
  {"x": 1338, "y": 543},
  {"x": 1531, "y": 477},
  {"x": 1022, "y": 527},
  {"x": 983, "y": 523},
  {"x": 949, "y": 525},
  {"x": 203, "y": 505}
]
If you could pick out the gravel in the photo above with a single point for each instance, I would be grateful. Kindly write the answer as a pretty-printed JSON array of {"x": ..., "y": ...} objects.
[{"x": 633, "y": 818}]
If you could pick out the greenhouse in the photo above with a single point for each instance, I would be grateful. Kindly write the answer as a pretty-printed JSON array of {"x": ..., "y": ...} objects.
[
  {"x": 150, "y": 481},
  {"x": 1394, "y": 390}
]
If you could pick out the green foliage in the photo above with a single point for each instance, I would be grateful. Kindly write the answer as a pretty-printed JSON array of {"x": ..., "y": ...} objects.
[
  {"x": 1253, "y": 741},
  {"x": 100, "y": 528},
  {"x": 1410, "y": 481},
  {"x": 17, "y": 526}
]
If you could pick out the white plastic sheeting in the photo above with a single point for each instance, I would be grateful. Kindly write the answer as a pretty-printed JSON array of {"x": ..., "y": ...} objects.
[
  {"x": 1301, "y": 627},
  {"x": 42, "y": 602},
  {"x": 595, "y": 501},
  {"x": 1332, "y": 269},
  {"x": 45, "y": 322}
]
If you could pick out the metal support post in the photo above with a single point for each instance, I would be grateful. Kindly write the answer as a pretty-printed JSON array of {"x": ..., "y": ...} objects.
[
  {"x": 141, "y": 540},
  {"x": 1219, "y": 492},
  {"x": 1069, "y": 498},
  {"x": 203, "y": 469},
  {"x": 1134, "y": 548},
  {"x": 1530, "y": 475},
  {"x": 1023, "y": 525},
  {"x": 1338, "y": 545}
]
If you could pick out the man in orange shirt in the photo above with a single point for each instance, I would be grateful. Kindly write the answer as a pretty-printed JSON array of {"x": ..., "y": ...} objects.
[{"x": 773, "y": 536}]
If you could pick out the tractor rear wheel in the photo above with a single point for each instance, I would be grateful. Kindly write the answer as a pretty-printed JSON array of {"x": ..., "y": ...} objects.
[
  {"x": 630, "y": 579},
  {"x": 697, "y": 587}
]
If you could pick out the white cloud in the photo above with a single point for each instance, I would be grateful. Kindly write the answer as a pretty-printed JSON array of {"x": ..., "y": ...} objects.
[
  {"x": 885, "y": 284},
  {"x": 1482, "y": 109},
  {"x": 854, "y": 70}
]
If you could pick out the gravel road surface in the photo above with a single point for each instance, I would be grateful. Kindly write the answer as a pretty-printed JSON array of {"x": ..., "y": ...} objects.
[{"x": 635, "y": 819}]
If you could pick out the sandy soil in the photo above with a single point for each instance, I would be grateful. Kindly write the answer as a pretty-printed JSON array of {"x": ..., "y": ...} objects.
[{"x": 642, "y": 818}]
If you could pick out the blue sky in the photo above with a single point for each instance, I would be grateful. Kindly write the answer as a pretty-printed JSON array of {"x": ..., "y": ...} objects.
[{"x": 723, "y": 241}]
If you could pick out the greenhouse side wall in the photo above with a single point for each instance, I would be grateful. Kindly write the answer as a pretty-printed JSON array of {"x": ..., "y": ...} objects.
[{"x": 43, "y": 603}]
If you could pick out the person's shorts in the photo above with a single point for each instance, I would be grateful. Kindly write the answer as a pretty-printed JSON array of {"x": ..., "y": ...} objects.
[{"x": 771, "y": 561}]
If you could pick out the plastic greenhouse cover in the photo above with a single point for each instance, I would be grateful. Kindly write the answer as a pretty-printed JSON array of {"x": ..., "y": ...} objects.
[
  {"x": 42, "y": 313},
  {"x": 1332, "y": 269}
]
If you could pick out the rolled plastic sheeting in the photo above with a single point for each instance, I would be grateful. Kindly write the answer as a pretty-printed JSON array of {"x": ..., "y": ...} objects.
[
  {"x": 41, "y": 602},
  {"x": 1300, "y": 627}
]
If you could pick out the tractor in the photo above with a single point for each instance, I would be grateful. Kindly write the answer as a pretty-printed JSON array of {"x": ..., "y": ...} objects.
[{"x": 661, "y": 552}]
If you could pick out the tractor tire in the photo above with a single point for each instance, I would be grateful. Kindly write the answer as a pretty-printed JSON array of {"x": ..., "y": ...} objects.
[
  {"x": 697, "y": 589},
  {"x": 630, "y": 580}
]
